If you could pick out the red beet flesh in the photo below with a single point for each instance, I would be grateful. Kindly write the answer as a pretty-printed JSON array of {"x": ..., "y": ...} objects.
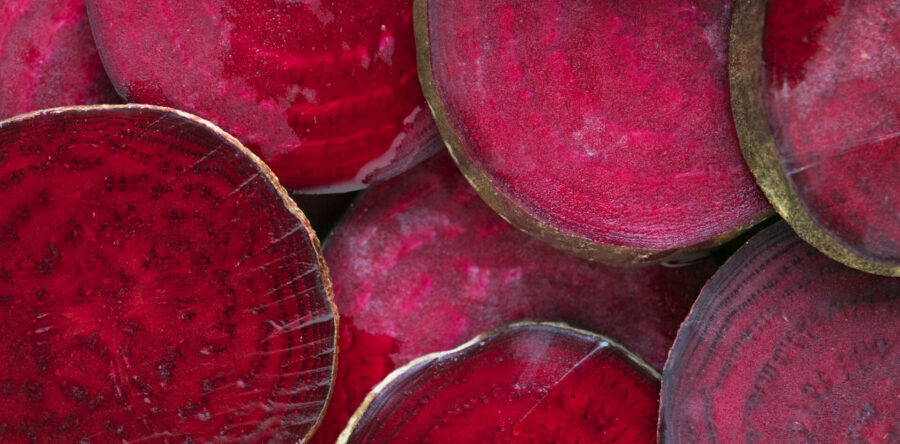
[
  {"x": 48, "y": 57},
  {"x": 421, "y": 264},
  {"x": 325, "y": 93},
  {"x": 832, "y": 92},
  {"x": 524, "y": 383},
  {"x": 604, "y": 121},
  {"x": 786, "y": 345},
  {"x": 155, "y": 284}
]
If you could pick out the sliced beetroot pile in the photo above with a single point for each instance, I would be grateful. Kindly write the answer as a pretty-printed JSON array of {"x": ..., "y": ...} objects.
[
  {"x": 421, "y": 264},
  {"x": 821, "y": 129},
  {"x": 324, "y": 210},
  {"x": 325, "y": 93},
  {"x": 786, "y": 345},
  {"x": 602, "y": 128},
  {"x": 48, "y": 57},
  {"x": 528, "y": 382},
  {"x": 156, "y": 283}
]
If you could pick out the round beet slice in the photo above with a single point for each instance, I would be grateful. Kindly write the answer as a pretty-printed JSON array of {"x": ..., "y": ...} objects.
[
  {"x": 325, "y": 93},
  {"x": 48, "y": 57},
  {"x": 786, "y": 345},
  {"x": 601, "y": 128},
  {"x": 423, "y": 246},
  {"x": 525, "y": 382},
  {"x": 817, "y": 102},
  {"x": 156, "y": 283}
]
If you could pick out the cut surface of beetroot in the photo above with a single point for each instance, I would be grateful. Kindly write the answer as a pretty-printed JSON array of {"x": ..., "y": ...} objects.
[
  {"x": 528, "y": 382},
  {"x": 819, "y": 116},
  {"x": 602, "y": 128},
  {"x": 325, "y": 93},
  {"x": 786, "y": 345},
  {"x": 156, "y": 283},
  {"x": 48, "y": 57},
  {"x": 421, "y": 264}
]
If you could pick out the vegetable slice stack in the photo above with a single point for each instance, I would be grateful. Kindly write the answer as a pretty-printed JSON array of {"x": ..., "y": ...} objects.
[{"x": 156, "y": 283}]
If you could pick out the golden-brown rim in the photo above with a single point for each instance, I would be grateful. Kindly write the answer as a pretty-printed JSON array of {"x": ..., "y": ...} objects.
[
  {"x": 289, "y": 204},
  {"x": 516, "y": 215},
  {"x": 745, "y": 71},
  {"x": 425, "y": 359}
]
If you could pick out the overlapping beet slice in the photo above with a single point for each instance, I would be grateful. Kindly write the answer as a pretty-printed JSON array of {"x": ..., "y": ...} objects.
[
  {"x": 48, "y": 57},
  {"x": 786, "y": 345},
  {"x": 421, "y": 264},
  {"x": 527, "y": 382},
  {"x": 156, "y": 283},
  {"x": 324, "y": 92},
  {"x": 597, "y": 126},
  {"x": 817, "y": 102}
]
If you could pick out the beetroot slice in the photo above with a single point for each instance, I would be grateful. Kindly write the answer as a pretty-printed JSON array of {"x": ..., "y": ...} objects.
[
  {"x": 601, "y": 128},
  {"x": 527, "y": 382},
  {"x": 421, "y": 264},
  {"x": 48, "y": 57},
  {"x": 325, "y": 92},
  {"x": 786, "y": 345},
  {"x": 817, "y": 102},
  {"x": 156, "y": 283}
]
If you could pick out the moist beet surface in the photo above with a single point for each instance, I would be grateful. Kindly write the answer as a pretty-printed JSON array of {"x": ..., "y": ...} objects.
[
  {"x": 832, "y": 94},
  {"x": 594, "y": 125},
  {"x": 326, "y": 93},
  {"x": 48, "y": 57},
  {"x": 421, "y": 264},
  {"x": 523, "y": 383},
  {"x": 786, "y": 345},
  {"x": 155, "y": 284}
]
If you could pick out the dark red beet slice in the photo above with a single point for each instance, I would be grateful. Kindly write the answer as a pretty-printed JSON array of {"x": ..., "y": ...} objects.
[
  {"x": 424, "y": 247},
  {"x": 325, "y": 92},
  {"x": 48, "y": 57},
  {"x": 601, "y": 128},
  {"x": 786, "y": 345},
  {"x": 156, "y": 283},
  {"x": 528, "y": 382},
  {"x": 817, "y": 102}
]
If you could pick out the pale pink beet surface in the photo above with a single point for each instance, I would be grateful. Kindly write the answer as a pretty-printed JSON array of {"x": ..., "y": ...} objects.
[
  {"x": 422, "y": 264},
  {"x": 325, "y": 92},
  {"x": 833, "y": 98},
  {"x": 48, "y": 57},
  {"x": 604, "y": 120}
]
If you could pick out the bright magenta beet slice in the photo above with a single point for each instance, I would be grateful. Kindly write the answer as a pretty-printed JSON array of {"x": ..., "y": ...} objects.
[
  {"x": 48, "y": 57},
  {"x": 817, "y": 102},
  {"x": 786, "y": 345},
  {"x": 421, "y": 264},
  {"x": 156, "y": 283},
  {"x": 525, "y": 382},
  {"x": 326, "y": 93},
  {"x": 601, "y": 128}
]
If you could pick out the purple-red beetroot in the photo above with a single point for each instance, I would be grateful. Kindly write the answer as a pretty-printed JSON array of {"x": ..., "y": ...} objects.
[
  {"x": 48, "y": 57},
  {"x": 421, "y": 264},
  {"x": 600, "y": 127},
  {"x": 156, "y": 283},
  {"x": 786, "y": 345},
  {"x": 325, "y": 92},
  {"x": 528, "y": 382},
  {"x": 819, "y": 112}
]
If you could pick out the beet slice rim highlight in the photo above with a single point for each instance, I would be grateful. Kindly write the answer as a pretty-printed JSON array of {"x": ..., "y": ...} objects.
[
  {"x": 189, "y": 129},
  {"x": 757, "y": 140}
]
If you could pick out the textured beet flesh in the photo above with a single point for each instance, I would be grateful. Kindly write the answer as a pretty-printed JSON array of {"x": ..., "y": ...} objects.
[
  {"x": 524, "y": 383},
  {"x": 421, "y": 264},
  {"x": 48, "y": 57},
  {"x": 603, "y": 121},
  {"x": 155, "y": 284},
  {"x": 832, "y": 92},
  {"x": 325, "y": 92},
  {"x": 786, "y": 345}
]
